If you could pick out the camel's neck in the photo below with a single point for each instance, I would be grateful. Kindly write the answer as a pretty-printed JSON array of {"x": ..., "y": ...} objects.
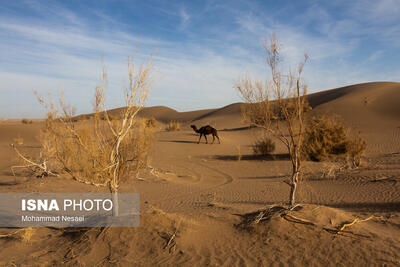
[{"x": 195, "y": 129}]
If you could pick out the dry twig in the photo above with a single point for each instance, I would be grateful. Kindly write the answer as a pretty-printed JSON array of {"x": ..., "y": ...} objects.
[{"x": 42, "y": 166}]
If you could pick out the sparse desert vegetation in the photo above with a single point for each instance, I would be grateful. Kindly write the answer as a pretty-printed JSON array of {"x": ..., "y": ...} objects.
[
  {"x": 264, "y": 146},
  {"x": 18, "y": 140},
  {"x": 328, "y": 137},
  {"x": 303, "y": 168},
  {"x": 151, "y": 122},
  {"x": 230, "y": 189},
  {"x": 109, "y": 149},
  {"x": 26, "y": 121},
  {"x": 173, "y": 126},
  {"x": 192, "y": 192},
  {"x": 284, "y": 95}
]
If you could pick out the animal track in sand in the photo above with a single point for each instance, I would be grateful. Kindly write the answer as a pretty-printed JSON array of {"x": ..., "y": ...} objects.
[{"x": 228, "y": 178}]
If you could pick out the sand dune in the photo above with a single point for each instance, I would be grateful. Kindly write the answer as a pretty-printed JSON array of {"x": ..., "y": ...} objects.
[
  {"x": 354, "y": 103},
  {"x": 210, "y": 196}
]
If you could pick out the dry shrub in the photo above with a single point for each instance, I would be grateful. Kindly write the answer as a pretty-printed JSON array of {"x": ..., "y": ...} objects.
[
  {"x": 137, "y": 145},
  {"x": 326, "y": 138},
  {"x": 27, "y": 235},
  {"x": 355, "y": 149},
  {"x": 277, "y": 105},
  {"x": 110, "y": 117},
  {"x": 81, "y": 118},
  {"x": 263, "y": 146},
  {"x": 86, "y": 150},
  {"x": 98, "y": 152},
  {"x": 26, "y": 121},
  {"x": 151, "y": 122},
  {"x": 173, "y": 126},
  {"x": 18, "y": 140},
  {"x": 239, "y": 157}
]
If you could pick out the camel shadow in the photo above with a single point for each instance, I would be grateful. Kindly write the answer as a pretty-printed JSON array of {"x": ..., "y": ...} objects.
[
  {"x": 274, "y": 157},
  {"x": 179, "y": 141},
  {"x": 8, "y": 183}
]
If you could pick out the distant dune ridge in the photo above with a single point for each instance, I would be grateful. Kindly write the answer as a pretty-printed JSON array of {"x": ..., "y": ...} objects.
[{"x": 354, "y": 103}]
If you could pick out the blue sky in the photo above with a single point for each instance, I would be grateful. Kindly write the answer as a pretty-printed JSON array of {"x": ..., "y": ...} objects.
[{"x": 202, "y": 47}]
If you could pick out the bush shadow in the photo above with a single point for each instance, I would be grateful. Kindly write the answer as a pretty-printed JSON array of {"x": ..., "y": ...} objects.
[
  {"x": 368, "y": 206},
  {"x": 274, "y": 157}
]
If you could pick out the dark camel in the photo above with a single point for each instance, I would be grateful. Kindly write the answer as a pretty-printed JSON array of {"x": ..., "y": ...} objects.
[{"x": 206, "y": 130}]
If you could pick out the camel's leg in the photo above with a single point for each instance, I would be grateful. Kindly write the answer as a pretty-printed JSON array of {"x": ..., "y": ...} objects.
[
  {"x": 213, "y": 138},
  {"x": 219, "y": 142},
  {"x": 199, "y": 139},
  {"x": 205, "y": 136}
]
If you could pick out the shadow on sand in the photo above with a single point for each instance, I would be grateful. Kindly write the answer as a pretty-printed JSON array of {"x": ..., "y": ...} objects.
[
  {"x": 179, "y": 141},
  {"x": 272, "y": 177},
  {"x": 8, "y": 183},
  {"x": 273, "y": 157},
  {"x": 376, "y": 207},
  {"x": 354, "y": 207},
  {"x": 237, "y": 129}
]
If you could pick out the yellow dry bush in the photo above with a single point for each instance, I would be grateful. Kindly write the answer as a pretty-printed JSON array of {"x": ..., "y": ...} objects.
[
  {"x": 327, "y": 138},
  {"x": 103, "y": 148},
  {"x": 26, "y": 121},
  {"x": 27, "y": 235},
  {"x": 151, "y": 122},
  {"x": 173, "y": 126},
  {"x": 18, "y": 140},
  {"x": 83, "y": 151}
]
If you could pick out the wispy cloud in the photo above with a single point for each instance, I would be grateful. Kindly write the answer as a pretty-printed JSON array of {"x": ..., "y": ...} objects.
[{"x": 185, "y": 17}]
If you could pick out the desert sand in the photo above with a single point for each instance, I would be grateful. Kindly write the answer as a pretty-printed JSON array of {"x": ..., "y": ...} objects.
[{"x": 199, "y": 201}]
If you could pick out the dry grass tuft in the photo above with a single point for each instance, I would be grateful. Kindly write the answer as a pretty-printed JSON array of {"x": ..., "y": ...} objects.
[
  {"x": 26, "y": 121},
  {"x": 151, "y": 122},
  {"x": 326, "y": 138},
  {"x": 173, "y": 126},
  {"x": 239, "y": 156},
  {"x": 18, "y": 140},
  {"x": 263, "y": 146},
  {"x": 27, "y": 235},
  {"x": 110, "y": 117}
]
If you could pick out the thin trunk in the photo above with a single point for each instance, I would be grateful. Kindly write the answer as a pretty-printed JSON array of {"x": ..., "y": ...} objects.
[
  {"x": 294, "y": 180},
  {"x": 115, "y": 199},
  {"x": 293, "y": 188}
]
